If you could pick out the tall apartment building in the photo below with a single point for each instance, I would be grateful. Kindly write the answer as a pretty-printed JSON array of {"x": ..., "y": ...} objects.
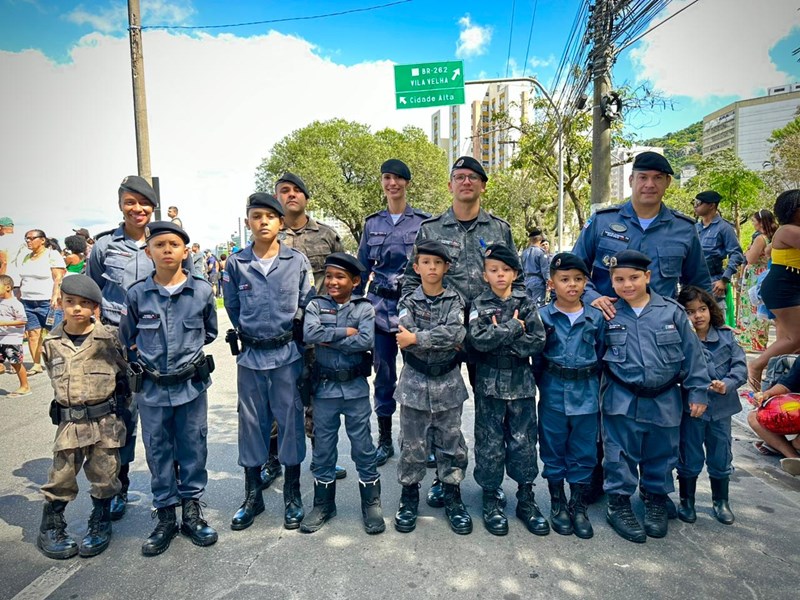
[
  {"x": 493, "y": 145},
  {"x": 747, "y": 125},
  {"x": 449, "y": 144}
]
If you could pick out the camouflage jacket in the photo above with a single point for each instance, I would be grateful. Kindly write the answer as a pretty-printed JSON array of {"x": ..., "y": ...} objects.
[{"x": 317, "y": 241}]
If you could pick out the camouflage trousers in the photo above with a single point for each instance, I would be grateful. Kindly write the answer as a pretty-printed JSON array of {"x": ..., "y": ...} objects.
[
  {"x": 101, "y": 466},
  {"x": 505, "y": 440},
  {"x": 448, "y": 445}
]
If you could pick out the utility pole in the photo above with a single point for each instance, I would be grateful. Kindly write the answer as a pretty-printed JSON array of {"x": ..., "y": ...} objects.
[
  {"x": 139, "y": 97},
  {"x": 602, "y": 19}
]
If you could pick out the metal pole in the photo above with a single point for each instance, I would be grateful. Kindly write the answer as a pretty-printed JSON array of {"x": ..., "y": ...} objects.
[
  {"x": 535, "y": 82},
  {"x": 601, "y": 127},
  {"x": 139, "y": 98}
]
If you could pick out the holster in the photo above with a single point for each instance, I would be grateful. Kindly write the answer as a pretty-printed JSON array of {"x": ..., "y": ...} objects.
[
  {"x": 54, "y": 413},
  {"x": 232, "y": 339},
  {"x": 135, "y": 373}
]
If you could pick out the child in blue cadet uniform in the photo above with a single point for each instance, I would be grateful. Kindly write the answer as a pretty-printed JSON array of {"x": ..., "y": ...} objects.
[
  {"x": 168, "y": 318},
  {"x": 505, "y": 330},
  {"x": 267, "y": 286},
  {"x": 343, "y": 329},
  {"x": 568, "y": 373},
  {"x": 727, "y": 367},
  {"x": 650, "y": 349}
]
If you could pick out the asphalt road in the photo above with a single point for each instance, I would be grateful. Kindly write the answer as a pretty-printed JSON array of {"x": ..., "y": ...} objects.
[{"x": 757, "y": 557}]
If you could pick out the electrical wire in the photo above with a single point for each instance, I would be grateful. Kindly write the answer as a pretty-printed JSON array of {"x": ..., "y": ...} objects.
[
  {"x": 307, "y": 18},
  {"x": 530, "y": 36},
  {"x": 633, "y": 41},
  {"x": 510, "y": 35}
]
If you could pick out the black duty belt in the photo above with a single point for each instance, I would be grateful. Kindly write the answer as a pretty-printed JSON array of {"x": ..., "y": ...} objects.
[
  {"x": 266, "y": 344},
  {"x": 429, "y": 369},
  {"x": 503, "y": 363},
  {"x": 572, "y": 374},
  {"x": 201, "y": 367},
  {"x": 642, "y": 391},
  {"x": 385, "y": 292},
  {"x": 85, "y": 412},
  {"x": 341, "y": 375}
]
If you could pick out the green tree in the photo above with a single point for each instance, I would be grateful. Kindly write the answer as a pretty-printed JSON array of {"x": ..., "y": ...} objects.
[
  {"x": 340, "y": 162},
  {"x": 784, "y": 158}
]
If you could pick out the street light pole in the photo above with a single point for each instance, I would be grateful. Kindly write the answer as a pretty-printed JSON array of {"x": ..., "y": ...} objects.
[{"x": 535, "y": 82}]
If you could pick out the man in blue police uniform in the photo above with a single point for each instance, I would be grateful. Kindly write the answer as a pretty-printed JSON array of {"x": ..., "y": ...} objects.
[
  {"x": 466, "y": 230},
  {"x": 536, "y": 267},
  {"x": 646, "y": 224},
  {"x": 386, "y": 245},
  {"x": 718, "y": 240}
]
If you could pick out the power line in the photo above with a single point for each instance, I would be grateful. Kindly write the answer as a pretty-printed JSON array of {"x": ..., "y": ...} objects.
[
  {"x": 530, "y": 36},
  {"x": 636, "y": 39},
  {"x": 306, "y": 18},
  {"x": 510, "y": 35}
]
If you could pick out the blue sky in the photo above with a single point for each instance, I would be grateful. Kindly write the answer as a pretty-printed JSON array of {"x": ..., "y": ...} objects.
[{"x": 218, "y": 99}]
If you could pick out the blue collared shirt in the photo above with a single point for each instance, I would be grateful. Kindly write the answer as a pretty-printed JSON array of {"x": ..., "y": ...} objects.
[
  {"x": 727, "y": 363},
  {"x": 719, "y": 242}
]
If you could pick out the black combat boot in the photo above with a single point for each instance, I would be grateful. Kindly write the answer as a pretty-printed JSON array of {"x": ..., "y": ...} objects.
[
  {"x": 622, "y": 520},
  {"x": 435, "y": 497},
  {"x": 53, "y": 540},
  {"x": 385, "y": 447},
  {"x": 324, "y": 507},
  {"x": 292, "y": 499},
  {"x": 460, "y": 521},
  {"x": 194, "y": 525},
  {"x": 253, "y": 500},
  {"x": 494, "y": 519},
  {"x": 719, "y": 500},
  {"x": 341, "y": 472},
  {"x": 120, "y": 501},
  {"x": 669, "y": 505},
  {"x": 98, "y": 533},
  {"x": 371, "y": 511},
  {"x": 272, "y": 468},
  {"x": 559, "y": 516},
  {"x": 688, "y": 488},
  {"x": 528, "y": 511},
  {"x": 655, "y": 514},
  {"x": 162, "y": 535},
  {"x": 405, "y": 520},
  {"x": 577, "y": 511}
]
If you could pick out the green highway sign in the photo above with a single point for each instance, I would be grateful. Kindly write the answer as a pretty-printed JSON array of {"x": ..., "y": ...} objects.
[{"x": 429, "y": 84}]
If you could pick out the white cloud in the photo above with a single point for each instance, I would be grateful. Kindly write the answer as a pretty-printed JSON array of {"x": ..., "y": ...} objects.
[
  {"x": 216, "y": 106},
  {"x": 473, "y": 39},
  {"x": 716, "y": 47},
  {"x": 114, "y": 17},
  {"x": 542, "y": 62}
]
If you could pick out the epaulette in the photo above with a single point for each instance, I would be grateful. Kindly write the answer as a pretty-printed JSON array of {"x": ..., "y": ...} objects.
[
  {"x": 355, "y": 298},
  {"x": 199, "y": 277},
  {"x": 104, "y": 233},
  {"x": 612, "y": 208},
  {"x": 496, "y": 218},
  {"x": 141, "y": 280},
  {"x": 421, "y": 213},
  {"x": 375, "y": 214},
  {"x": 675, "y": 302},
  {"x": 680, "y": 215},
  {"x": 434, "y": 218}
]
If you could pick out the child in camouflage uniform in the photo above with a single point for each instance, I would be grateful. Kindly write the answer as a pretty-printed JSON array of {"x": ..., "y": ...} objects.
[
  {"x": 83, "y": 360},
  {"x": 431, "y": 391}
]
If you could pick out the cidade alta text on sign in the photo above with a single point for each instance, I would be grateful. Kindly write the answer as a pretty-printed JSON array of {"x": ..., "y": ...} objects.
[{"x": 431, "y": 98}]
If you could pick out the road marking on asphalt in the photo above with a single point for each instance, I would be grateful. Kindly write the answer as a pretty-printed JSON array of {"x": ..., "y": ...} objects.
[{"x": 47, "y": 583}]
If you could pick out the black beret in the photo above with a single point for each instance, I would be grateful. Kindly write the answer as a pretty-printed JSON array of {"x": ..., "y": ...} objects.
[
  {"x": 83, "y": 232},
  {"x": 83, "y": 286},
  {"x": 564, "y": 261},
  {"x": 433, "y": 248},
  {"x": 504, "y": 254},
  {"x": 709, "y": 197},
  {"x": 157, "y": 228},
  {"x": 292, "y": 178},
  {"x": 652, "y": 161},
  {"x": 264, "y": 200},
  {"x": 629, "y": 259},
  {"x": 345, "y": 261},
  {"x": 467, "y": 162},
  {"x": 535, "y": 232},
  {"x": 139, "y": 185},
  {"x": 396, "y": 167}
]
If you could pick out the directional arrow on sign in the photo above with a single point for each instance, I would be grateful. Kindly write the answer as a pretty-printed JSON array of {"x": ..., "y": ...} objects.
[
  {"x": 402, "y": 100},
  {"x": 456, "y": 73}
]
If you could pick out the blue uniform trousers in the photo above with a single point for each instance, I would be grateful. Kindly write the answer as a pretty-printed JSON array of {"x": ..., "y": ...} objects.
[
  {"x": 265, "y": 395},
  {"x": 629, "y": 446},
  {"x": 176, "y": 433},
  {"x": 385, "y": 373},
  {"x": 128, "y": 451},
  {"x": 505, "y": 440},
  {"x": 716, "y": 436},
  {"x": 327, "y": 419},
  {"x": 567, "y": 445}
]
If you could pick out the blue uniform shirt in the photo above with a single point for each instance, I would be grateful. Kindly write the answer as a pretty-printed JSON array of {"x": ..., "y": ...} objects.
[
  {"x": 670, "y": 241},
  {"x": 326, "y": 326},
  {"x": 726, "y": 362},
  {"x": 536, "y": 267},
  {"x": 384, "y": 249},
  {"x": 573, "y": 346},
  {"x": 169, "y": 332},
  {"x": 115, "y": 263},
  {"x": 719, "y": 242},
  {"x": 265, "y": 307},
  {"x": 649, "y": 350}
]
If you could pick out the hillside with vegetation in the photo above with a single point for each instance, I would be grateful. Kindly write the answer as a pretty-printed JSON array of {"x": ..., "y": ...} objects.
[{"x": 684, "y": 147}]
